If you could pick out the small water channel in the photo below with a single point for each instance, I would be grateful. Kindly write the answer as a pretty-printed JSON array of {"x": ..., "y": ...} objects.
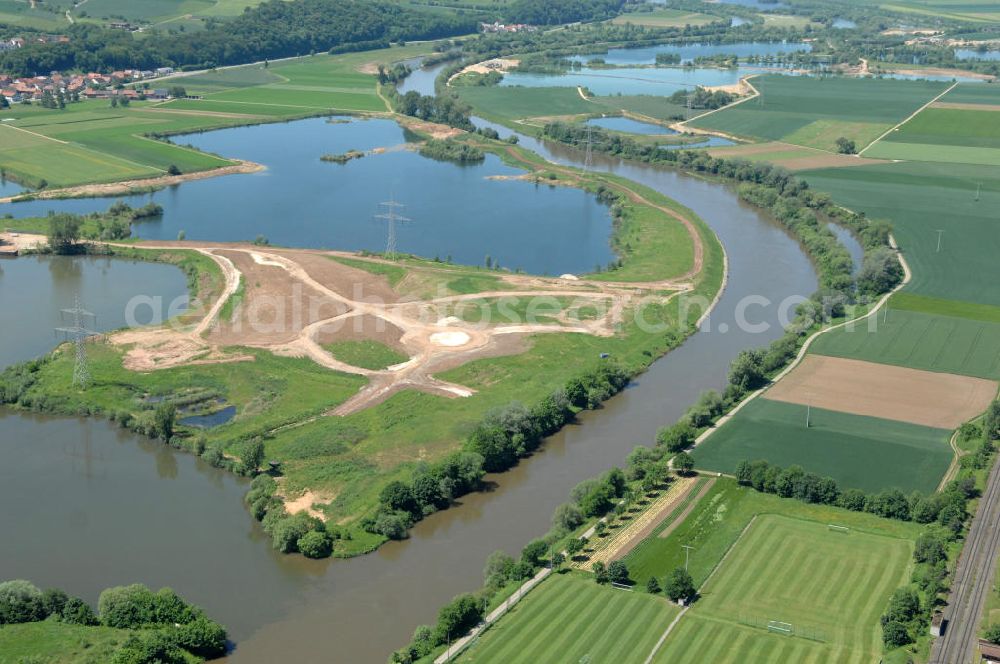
[{"x": 143, "y": 513}]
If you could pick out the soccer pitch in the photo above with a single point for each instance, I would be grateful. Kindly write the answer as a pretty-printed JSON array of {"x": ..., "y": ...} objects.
[
  {"x": 831, "y": 586},
  {"x": 569, "y": 618}
]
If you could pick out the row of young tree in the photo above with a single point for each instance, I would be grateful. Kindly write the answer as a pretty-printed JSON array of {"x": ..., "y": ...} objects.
[{"x": 164, "y": 628}]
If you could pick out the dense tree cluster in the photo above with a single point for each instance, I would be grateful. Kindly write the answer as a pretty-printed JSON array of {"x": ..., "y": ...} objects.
[
  {"x": 947, "y": 508},
  {"x": 443, "y": 109},
  {"x": 274, "y": 29},
  {"x": 290, "y": 533},
  {"x": 171, "y": 629},
  {"x": 554, "y": 12},
  {"x": 701, "y": 98},
  {"x": 453, "y": 151}
]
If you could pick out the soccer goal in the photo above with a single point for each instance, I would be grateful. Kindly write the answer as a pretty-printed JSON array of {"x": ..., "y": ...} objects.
[
  {"x": 844, "y": 530},
  {"x": 621, "y": 586},
  {"x": 780, "y": 627}
]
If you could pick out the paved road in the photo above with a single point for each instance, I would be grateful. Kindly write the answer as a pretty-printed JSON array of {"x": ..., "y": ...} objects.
[{"x": 973, "y": 580}]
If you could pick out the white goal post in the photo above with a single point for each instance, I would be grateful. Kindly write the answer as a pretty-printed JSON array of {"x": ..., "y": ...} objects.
[
  {"x": 621, "y": 586},
  {"x": 780, "y": 627},
  {"x": 838, "y": 529}
]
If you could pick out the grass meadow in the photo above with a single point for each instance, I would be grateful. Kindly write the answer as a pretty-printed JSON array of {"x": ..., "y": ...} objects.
[
  {"x": 920, "y": 199},
  {"x": 831, "y": 586},
  {"x": 920, "y": 340},
  {"x": 54, "y": 642},
  {"x": 814, "y": 111},
  {"x": 722, "y": 514},
  {"x": 569, "y": 618},
  {"x": 859, "y": 452}
]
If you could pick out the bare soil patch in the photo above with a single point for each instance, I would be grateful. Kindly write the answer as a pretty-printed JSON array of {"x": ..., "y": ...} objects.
[
  {"x": 939, "y": 400},
  {"x": 965, "y": 107}
]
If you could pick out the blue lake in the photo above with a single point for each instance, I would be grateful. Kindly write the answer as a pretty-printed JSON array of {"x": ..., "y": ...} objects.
[
  {"x": 976, "y": 54},
  {"x": 661, "y": 81},
  {"x": 688, "y": 52},
  {"x": 631, "y": 126},
  {"x": 300, "y": 201}
]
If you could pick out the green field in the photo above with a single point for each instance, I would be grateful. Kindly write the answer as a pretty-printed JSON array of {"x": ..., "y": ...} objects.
[
  {"x": 921, "y": 199},
  {"x": 97, "y": 143},
  {"x": 859, "y": 452},
  {"x": 919, "y": 340},
  {"x": 569, "y": 618},
  {"x": 974, "y": 93},
  {"x": 814, "y": 112},
  {"x": 832, "y": 587},
  {"x": 944, "y": 135},
  {"x": 367, "y": 354},
  {"x": 514, "y": 103},
  {"x": 722, "y": 514},
  {"x": 665, "y": 18},
  {"x": 956, "y": 10},
  {"x": 54, "y": 642}
]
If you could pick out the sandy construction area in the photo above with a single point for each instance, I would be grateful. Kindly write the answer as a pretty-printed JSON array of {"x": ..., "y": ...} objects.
[
  {"x": 294, "y": 302},
  {"x": 932, "y": 399}
]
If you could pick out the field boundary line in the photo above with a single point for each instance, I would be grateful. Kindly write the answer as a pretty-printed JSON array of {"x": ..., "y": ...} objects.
[
  {"x": 803, "y": 351},
  {"x": 666, "y": 633},
  {"x": 670, "y": 627},
  {"x": 910, "y": 117},
  {"x": 35, "y": 133}
]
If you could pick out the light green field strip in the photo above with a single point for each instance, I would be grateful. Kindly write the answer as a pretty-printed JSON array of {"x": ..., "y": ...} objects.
[
  {"x": 950, "y": 154},
  {"x": 569, "y": 618},
  {"x": 829, "y": 585},
  {"x": 920, "y": 340}
]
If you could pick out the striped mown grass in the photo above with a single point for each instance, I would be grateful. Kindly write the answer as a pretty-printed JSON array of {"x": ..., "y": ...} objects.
[
  {"x": 831, "y": 586},
  {"x": 569, "y": 617}
]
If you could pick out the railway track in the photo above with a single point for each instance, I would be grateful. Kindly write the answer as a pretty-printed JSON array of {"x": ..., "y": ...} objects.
[{"x": 973, "y": 579}]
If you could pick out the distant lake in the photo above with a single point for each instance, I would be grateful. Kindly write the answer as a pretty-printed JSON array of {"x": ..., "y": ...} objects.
[
  {"x": 688, "y": 52},
  {"x": 300, "y": 201},
  {"x": 976, "y": 54},
  {"x": 631, "y": 126}
]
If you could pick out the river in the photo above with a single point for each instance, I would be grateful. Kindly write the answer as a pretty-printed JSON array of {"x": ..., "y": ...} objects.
[{"x": 143, "y": 513}]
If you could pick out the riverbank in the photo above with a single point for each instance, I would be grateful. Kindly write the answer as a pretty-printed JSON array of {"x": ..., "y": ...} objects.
[
  {"x": 588, "y": 319},
  {"x": 132, "y": 187}
]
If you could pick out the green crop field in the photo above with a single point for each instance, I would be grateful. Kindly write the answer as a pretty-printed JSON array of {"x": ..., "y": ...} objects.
[
  {"x": 973, "y": 93},
  {"x": 859, "y": 452},
  {"x": 98, "y": 143},
  {"x": 922, "y": 199},
  {"x": 957, "y": 10},
  {"x": 665, "y": 18},
  {"x": 513, "y": 103},
  {"x": 919, "y": 340},
  {"x": 831, "y": 586},
  {"x": 569, "y": 618},
  {"x": 944, "y": 135},
  {"x": 814, "y": 112}
]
